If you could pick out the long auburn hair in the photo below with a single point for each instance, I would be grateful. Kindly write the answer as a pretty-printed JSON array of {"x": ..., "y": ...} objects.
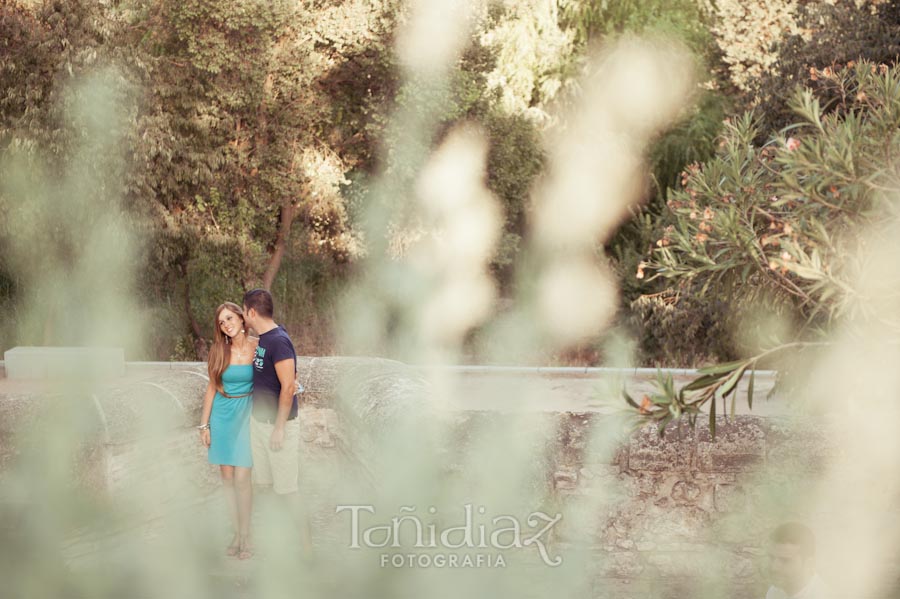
[{"x": 220, "y": 352}]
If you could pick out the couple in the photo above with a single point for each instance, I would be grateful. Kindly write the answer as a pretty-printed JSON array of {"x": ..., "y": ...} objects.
[{"x": 249, "y": 419}]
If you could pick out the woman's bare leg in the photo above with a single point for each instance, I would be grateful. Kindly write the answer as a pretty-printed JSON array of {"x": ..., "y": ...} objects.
[
  {"x": 232, "y": 502},
  {"x": 244, "y": 494}
]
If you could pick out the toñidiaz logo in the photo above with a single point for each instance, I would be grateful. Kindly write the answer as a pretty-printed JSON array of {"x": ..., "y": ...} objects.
[{"x": 457, "y": 546}]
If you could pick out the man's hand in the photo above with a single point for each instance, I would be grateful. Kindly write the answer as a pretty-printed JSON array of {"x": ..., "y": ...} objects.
[{"x": 277, "y": 440}]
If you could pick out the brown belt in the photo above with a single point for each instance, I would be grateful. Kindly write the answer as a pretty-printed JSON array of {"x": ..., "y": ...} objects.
[{"x": 223, "y": 394}]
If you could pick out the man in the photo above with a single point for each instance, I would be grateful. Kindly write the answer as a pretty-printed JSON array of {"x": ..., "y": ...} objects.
[
  {"x": 273, "y": 421},
  {"x": 274, "y": 427},
  {"x": 792, "y": 564}
]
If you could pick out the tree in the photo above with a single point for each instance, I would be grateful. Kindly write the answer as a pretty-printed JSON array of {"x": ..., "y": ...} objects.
[{"x": 226, "y": 153}]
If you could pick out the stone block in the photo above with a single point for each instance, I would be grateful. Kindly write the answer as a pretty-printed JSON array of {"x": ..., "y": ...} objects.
[
  {"x": 740, "y": 445},
  {"x": 565, "y": 479},
  {"x": 730, "y": 498},
  {"x": 685, "y": 492},
  {"x": 674, "y": 565},
  {"x": 318, "y": 426},
  {"x": 603, "y": 482},
  {"x": 648, "y": 451},
  {"x": 674, "y": 524},
  {"x": 647, "y": 484},
  {"x": 801, "y": 446}
]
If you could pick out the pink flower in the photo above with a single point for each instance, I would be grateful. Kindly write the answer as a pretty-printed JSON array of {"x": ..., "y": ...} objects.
[{"x": 792, "y": 143}]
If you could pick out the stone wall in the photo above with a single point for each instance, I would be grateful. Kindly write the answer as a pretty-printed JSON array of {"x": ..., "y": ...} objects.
[
  {"x": 668, "y": 516},
  {"x": 675, "y": 515},
  {"x": 692, "y": 511}
]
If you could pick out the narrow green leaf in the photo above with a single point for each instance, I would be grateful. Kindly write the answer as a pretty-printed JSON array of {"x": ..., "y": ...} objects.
[
  {"x": 732, "y": 381},
  {"x": 703, "y": 381},
  {"x": 630, "y": 401},
  {"x": 670, "y": 385},
  {"x": 721, "y": 368},
  {"x": 660, "y": 400},
  {"x": 750, "y": 388},
  {"x": 712, "y": 418},
  {"x": 662, "y": 424},
  {"x": 675, "y": 409},
  {"x": 733, "y": 398}
]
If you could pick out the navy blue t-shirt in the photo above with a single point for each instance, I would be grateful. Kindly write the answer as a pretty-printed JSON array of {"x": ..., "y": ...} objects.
[{"x": 273, "y": 347}]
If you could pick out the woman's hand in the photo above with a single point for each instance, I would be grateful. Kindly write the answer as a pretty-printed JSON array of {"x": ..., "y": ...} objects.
[{"x": 204, "y": 437}]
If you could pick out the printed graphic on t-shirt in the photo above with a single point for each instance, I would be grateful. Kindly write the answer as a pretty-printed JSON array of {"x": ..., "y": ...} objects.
[{"x": 258, "y": 361}]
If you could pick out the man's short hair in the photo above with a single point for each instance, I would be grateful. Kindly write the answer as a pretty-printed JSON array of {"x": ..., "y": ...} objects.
[
  {"x": 261, "y": 301},
  {"x": 798, "y": 534}
]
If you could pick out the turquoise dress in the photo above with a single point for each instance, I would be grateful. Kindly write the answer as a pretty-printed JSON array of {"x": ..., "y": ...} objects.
[{"x": 229, "y": 421}]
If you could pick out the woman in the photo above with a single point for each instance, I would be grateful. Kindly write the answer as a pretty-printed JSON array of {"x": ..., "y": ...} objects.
[{"x": 225, "y": 421}]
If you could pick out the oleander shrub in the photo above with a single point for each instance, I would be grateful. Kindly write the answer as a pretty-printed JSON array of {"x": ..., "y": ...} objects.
[{"x": 771, "y": 223}]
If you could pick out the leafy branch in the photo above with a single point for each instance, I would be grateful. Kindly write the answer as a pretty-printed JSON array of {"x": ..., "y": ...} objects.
[{"x": 717, "y": 383}]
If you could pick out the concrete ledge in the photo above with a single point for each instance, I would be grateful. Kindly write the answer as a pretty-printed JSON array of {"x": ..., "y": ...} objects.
[
  {"x": 154, "y": 366},
  {"x": 55, "y": 363},
  {"x": 574, "y": 370}
]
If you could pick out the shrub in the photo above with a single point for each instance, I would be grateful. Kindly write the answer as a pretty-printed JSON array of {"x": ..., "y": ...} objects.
[
  {"x": 832, "y": 35},
  {"x": 773, "y": 221},
  {"x": 787, "y": 227}
]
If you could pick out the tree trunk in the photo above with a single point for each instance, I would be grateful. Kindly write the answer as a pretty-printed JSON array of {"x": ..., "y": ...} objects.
[
  {"x": 261, "y": 144},
  {"x": 284, "y": 232}
]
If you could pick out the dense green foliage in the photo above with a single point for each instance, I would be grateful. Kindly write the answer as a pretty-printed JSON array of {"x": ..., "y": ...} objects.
[
  {"x": 768, "y": 52},
  {"x": 771, "y": 222},
  {"x": 249, "y": 133}
]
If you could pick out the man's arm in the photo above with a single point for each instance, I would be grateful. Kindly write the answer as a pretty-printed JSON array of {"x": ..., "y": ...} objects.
[{"x": 285, "y": 369}]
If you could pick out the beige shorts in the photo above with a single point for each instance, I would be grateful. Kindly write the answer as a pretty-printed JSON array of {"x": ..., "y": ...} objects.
[{"x": 281, "y": 468}]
